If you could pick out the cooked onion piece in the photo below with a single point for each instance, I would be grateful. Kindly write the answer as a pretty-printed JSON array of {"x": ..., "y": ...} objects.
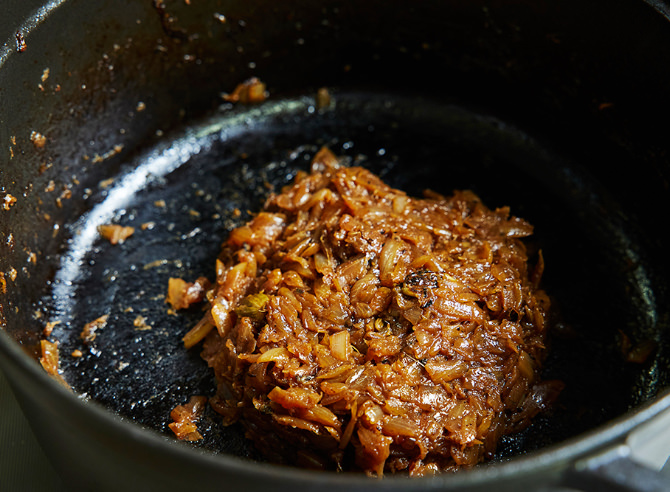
[
  {"x": 49, "y": 360},
  {"x": 185, "y": 418},
  {"x": 114, "y": 233}
]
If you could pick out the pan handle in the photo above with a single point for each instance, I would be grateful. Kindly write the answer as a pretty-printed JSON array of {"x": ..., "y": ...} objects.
[{"x": 640, "y": 464}]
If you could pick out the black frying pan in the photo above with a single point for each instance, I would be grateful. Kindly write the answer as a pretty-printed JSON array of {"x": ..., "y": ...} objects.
[
  {"x": 532, "y": 108},
  {"x": 143, "y": 373}
]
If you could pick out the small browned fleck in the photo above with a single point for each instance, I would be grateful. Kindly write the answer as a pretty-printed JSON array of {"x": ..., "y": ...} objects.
[
  {"x": 140, "y": 323},
  {"x": 32, "y": 257},
  {"x": 323, "y": 98},
  {"x": 88, "y": 333},
  {"x": 8, "y": 201},
  {"x": 38, "y": 140},
  {"x": 105, "y": 183},
  {"x": 44, "y": 166},
  {"x": 114, "y": 233},
  {"x": 49, "y": 327},
  {"x": 66, "y": 194},
  {"x": 250, "y": 91},
  {"x": 12, "y": 143}
]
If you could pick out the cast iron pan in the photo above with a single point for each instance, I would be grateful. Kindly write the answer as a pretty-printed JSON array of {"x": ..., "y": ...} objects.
[
  {"x": 569, "y": 162},
  {"x": 182, "y": 197}
]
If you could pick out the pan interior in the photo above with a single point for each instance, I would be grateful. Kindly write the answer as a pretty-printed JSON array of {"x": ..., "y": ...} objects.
[{"x": 184, "y": 195}]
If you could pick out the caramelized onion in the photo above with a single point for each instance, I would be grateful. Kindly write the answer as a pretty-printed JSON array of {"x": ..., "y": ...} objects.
[{"x": 360, "y": 328}]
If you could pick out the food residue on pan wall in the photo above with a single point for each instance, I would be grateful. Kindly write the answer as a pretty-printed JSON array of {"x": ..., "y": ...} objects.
[
  {"x": 49, "y": 360},
  {"x": 251, "y": 91},
  {"x": 12, "y": 144},
  {"x": 38, "y": 139},
  {"x": 42, "y": 85},
  {"x": 323, "y": 98},
  {"x": 31, "y": 256},
  {"x": 8, "y": 201}
]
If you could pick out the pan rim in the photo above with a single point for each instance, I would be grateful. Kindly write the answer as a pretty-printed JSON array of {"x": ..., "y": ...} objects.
[{"x": 557, "y": 457}]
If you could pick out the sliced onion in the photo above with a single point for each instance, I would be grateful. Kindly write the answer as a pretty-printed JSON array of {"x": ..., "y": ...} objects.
[{"x": 340, "y": 345}]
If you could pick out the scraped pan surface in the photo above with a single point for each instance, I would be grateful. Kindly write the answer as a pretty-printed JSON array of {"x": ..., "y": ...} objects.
[{"x": 186, "y": 193}]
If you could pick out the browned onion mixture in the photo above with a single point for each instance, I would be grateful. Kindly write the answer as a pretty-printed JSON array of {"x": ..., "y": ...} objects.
[{"x": 359, "y": 328}]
